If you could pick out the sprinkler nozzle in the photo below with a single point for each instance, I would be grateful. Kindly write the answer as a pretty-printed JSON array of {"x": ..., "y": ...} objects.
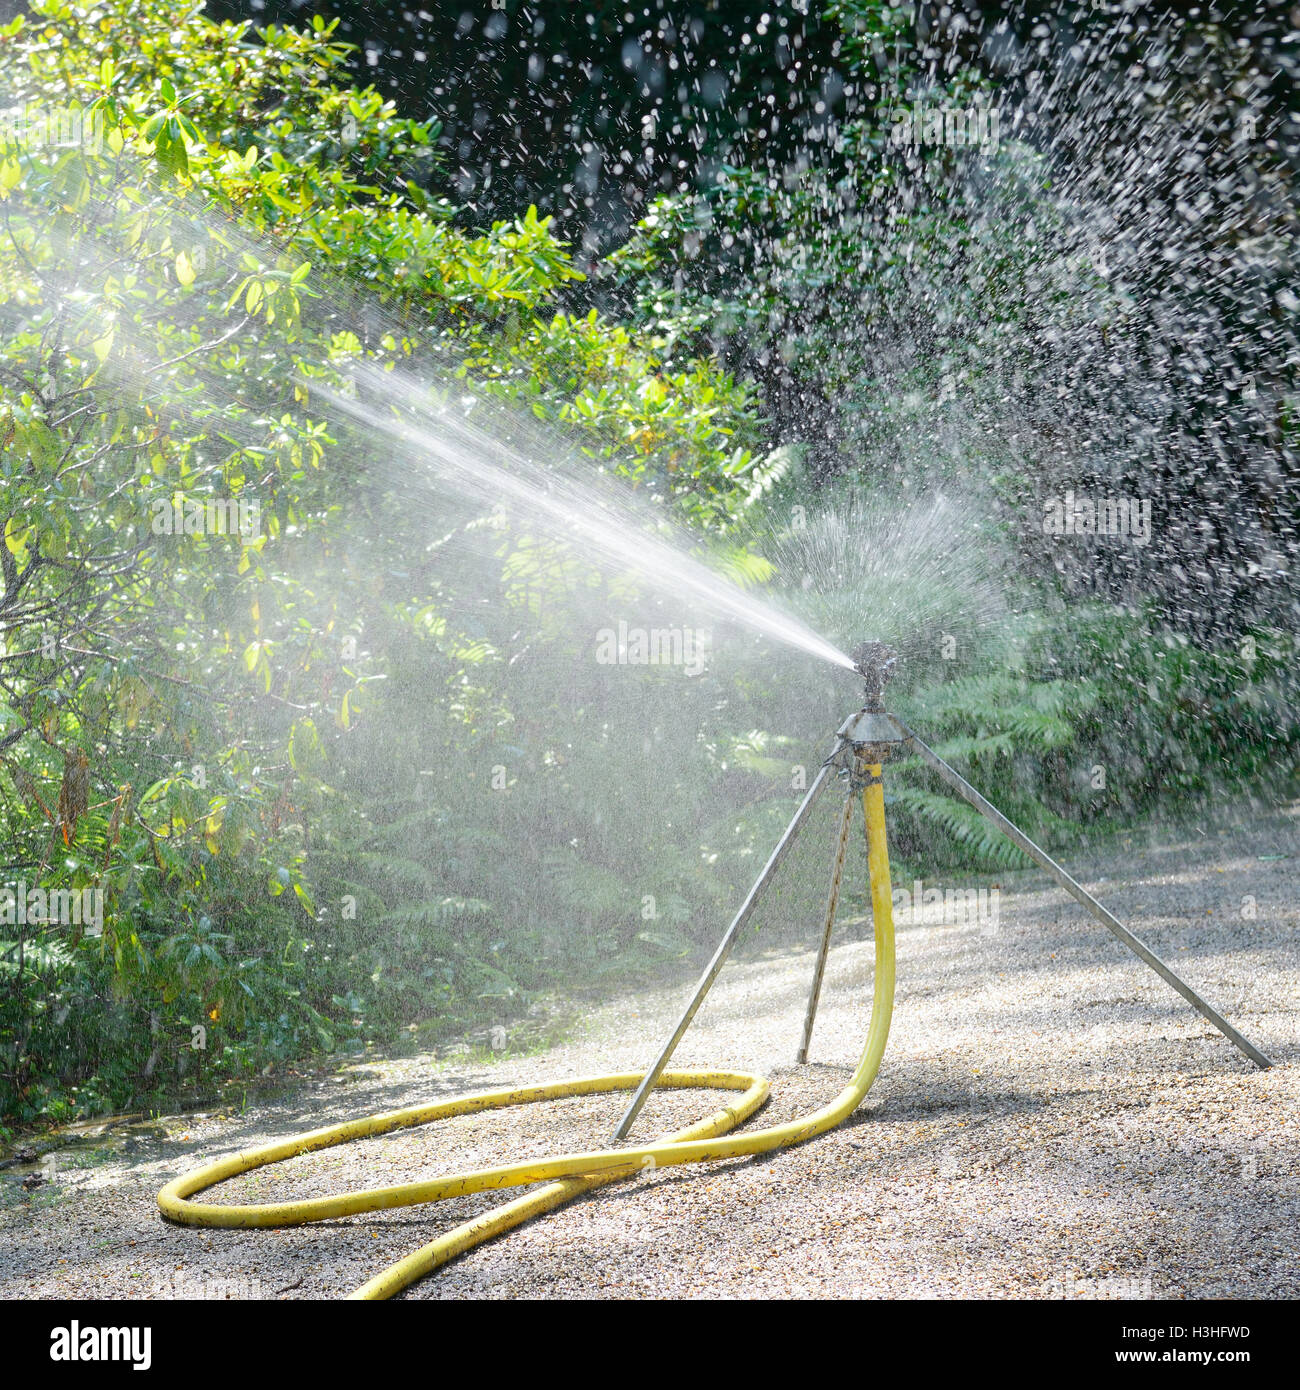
[{"x": 874, "y": 662}]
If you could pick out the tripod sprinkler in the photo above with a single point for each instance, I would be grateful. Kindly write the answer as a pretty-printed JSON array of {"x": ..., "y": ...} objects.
[{"x": 865, "y": 741}]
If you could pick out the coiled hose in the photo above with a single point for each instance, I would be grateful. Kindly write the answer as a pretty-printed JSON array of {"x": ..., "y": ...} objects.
[{"x": 569, "y": 1175}]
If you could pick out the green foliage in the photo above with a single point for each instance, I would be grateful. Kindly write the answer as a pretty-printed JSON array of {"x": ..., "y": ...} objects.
[
  {"x": 1099, "y": 717},
  {"x": 1177, "y": 721},
  {"x": 180, "y": 706},
  {"x": 870, "y": 286}
]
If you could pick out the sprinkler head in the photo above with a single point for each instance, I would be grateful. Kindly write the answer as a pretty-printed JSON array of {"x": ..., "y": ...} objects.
[{"x": 875, "y": 662}]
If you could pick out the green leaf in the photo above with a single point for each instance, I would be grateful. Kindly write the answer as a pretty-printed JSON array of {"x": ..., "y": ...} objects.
[{"x": 16, "y": 536}]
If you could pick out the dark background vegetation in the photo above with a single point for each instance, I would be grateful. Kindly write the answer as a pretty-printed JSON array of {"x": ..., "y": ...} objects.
[{"x": 589, "y": 111}]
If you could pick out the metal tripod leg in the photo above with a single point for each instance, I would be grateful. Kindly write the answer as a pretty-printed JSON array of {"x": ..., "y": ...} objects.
[
  {"x": 715, "y": 965},
  {"x": 1076, "y": 890},
  {"x": 832, "y": 902}
]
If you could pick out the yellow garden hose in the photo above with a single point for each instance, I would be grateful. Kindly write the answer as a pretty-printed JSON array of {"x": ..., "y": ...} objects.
[{"x": 568, "y": 1175}]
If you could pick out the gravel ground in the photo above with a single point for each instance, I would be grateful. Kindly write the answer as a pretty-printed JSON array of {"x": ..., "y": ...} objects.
[{"x": 1051, "y": 1121}]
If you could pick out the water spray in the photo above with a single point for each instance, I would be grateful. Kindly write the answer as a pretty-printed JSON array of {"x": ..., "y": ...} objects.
[{"x": 866, "y": 740}]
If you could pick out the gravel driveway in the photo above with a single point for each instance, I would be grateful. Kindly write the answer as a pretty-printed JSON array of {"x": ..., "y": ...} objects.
[{"x": 1051, "y": 1121}]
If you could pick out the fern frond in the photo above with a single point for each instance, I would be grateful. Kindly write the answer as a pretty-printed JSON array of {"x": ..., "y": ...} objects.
[{"x": 963, "y": 824}]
